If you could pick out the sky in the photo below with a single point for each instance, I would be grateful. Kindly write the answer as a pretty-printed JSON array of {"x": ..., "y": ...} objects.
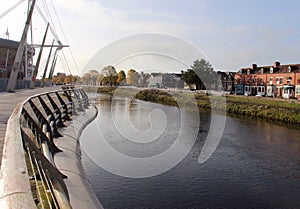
[{"x": 231, "y": 34}]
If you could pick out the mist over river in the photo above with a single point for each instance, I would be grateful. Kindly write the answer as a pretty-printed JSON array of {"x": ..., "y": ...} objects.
[{"x": 255, "y": 165}]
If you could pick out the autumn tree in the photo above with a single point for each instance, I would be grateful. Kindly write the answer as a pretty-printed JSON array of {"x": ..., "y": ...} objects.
[
  {"x": 110, "y": 75},
  {"x": 86, "y": 78},
  {"x": 132, "y": 77},
  {"x": 99, "y": 79},
  {"x": 121, "y": 77},
  {"x": 58, "y": 79},
  {"x": 70, "y": 79},
  {"x": 65, "y": 79}
]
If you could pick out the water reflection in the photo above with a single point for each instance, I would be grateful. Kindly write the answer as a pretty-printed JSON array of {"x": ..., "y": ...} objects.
[{"x": 256, "y": 165}]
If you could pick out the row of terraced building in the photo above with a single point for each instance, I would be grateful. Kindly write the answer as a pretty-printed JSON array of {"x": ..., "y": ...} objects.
[{"x": 273, "y": 81}]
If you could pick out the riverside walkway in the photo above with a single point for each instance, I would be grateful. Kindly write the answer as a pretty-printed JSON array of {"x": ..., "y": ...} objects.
[{"x": 9, "y": 101}]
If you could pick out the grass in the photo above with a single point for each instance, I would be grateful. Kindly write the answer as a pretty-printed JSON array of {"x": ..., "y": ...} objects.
[{"x": 286, "y": 111}]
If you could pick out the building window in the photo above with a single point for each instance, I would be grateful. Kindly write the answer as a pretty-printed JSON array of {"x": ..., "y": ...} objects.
[
  {"x": 248, "y": 71},
  {"x": 281, "y": 80},
  {"x": 288, "y": 79},
  {"x": 271, "y": 80},
  {"x": 247, "y": 79},
  {"x": 261, "y": 81},
  {"x": 271, "y": 70},
  {"x": 298, "y": 90},
  {"x": 289, "y": 69}
]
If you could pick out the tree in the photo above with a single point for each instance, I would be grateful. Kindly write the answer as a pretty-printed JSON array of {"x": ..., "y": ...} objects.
[
  {"x": 86, "y": 78},
  {"x": 105, "y": 81},
  {"x": 201, "y": 74},
  {"x": 132, "y": 77},
  {"x": 191, "y": 78},
  {"x": 74, "y": 79},
  {"x": 108, "y": 70},
  {"x": 64, "y": 79},
  {"x": 121, "y": 77},
  {"x": 110, "y": 75},
  {"x": 94, "y": 74},
  {"x": 99, "y": 79},
  {"x": 58, "y": 79},
  {"x": 70, "y": 79},
  {"x": 206, "y": 73},
  {"x": 143, "y": 79},
  {"x": 67, "y": 79}
]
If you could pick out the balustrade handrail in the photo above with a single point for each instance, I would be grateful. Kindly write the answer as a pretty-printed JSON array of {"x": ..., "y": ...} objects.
[{"x": 28, "y": 171}]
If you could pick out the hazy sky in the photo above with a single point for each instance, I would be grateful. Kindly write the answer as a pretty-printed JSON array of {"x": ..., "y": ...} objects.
[{"x": 232, "y": 34}]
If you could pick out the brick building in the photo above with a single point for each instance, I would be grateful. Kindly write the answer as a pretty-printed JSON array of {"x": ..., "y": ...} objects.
[
  {"x": 227, "y": 80},
  {"x": 275, "y": 81}
]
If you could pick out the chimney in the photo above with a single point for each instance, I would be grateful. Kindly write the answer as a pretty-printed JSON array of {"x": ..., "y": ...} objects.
[
  {"x": 276, "y": 64},
  {"x": 254, "y": 66}
]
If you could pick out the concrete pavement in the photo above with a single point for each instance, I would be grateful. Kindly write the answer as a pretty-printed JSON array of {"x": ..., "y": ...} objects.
[{"x": 8, "y": 102}]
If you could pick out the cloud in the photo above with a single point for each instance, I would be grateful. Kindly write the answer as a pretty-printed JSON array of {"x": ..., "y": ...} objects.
[
  {"x": 90, "y": 26},
  {"x": 233, "y": 46},
  {"x": 230, "y": 43}
]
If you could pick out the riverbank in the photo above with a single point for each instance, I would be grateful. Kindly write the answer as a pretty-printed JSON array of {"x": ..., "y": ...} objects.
[{"x": 286, "y": 111}]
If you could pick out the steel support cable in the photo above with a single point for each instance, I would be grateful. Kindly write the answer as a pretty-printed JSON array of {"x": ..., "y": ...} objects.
[
  {"x": 46, "y": 21},
  {"x": 53, "y": 31},
  {"x": 65, "y": 59},
  {"x": 65, "y": 37},
  {"x": 58, "y": 20},
  {"x": 64, "y": 63},
  {"x": 48, "y": 13},
  {"x": 11, "y": 8}
]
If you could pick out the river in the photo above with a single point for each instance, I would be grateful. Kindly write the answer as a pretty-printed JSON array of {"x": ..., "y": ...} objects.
[{"x": 255, "y": 165}]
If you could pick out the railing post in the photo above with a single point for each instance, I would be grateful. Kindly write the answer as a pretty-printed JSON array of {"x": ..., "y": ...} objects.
[
  {"x": 77, "y": 96},
  {"x": 66, "y": 112},
  {"x": 85, "y": 98},
  {"x": 69, "y": 97},
  {"x": 56, "y": 111},
  {"x": 51, "y": 118}
]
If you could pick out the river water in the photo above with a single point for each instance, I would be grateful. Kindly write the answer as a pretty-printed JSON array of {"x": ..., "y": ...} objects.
[{"x": 255, "y": 165}]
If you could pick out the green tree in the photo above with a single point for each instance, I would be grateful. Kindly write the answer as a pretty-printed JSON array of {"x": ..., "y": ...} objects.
[
  {"x": 201, "y": 74},
  {"x": 191, "y": 78},
  {"x": 206, "y": 73}
]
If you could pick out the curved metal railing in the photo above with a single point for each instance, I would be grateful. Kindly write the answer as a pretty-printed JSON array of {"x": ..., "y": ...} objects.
[{"x": 38, "y": 119}]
